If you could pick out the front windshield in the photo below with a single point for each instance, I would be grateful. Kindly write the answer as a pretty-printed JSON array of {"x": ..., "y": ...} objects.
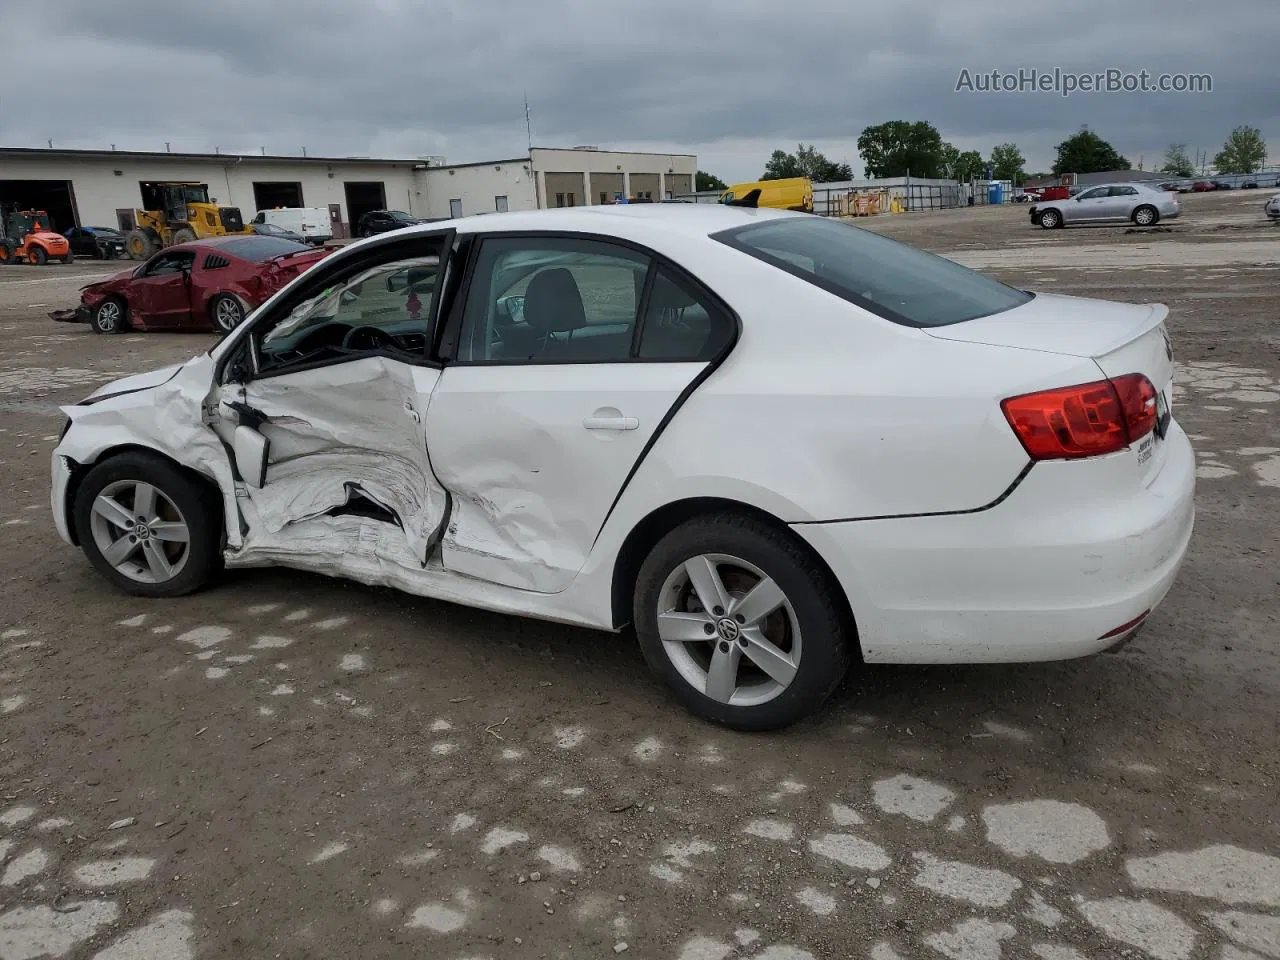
[
  {"x": 399, "y": 215},
  {"x": 890, "y": 279}
]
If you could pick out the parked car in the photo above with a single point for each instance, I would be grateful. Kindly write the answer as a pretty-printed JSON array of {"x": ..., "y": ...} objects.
[
  {"x": 1204, "y": 186},
  {"x": 310, "y": 223},
  {"x": 209, "y": 284},
  {"x": 570, "y": 446},
  {"x": 271, "y": 230},
  {"x": 1223, "y": 185},
  {"x": 382, "y": 221},
  {"x": 1272, "y": 207},
  {"x": 1108, "y": 203},
  {"x": 1249, "y": 185},
  {"x": 101, "y": 243}
]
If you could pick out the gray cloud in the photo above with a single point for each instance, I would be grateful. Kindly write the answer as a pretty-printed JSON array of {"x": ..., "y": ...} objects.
[{"x": 728, "y": 80}]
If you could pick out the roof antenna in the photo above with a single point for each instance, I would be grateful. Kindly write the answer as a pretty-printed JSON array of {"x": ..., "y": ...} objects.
[{"x": 750, "y": 199}]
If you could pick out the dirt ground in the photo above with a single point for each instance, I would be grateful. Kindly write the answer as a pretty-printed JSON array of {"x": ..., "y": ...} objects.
[{"x": 290, "y": 766}]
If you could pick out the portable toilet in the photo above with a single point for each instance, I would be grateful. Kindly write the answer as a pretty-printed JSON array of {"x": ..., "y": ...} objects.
[{"x": 995, "y": 192}]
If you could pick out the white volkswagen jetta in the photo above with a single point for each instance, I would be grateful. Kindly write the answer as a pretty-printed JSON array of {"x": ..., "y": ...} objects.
[{"x": 775, "y": 443}]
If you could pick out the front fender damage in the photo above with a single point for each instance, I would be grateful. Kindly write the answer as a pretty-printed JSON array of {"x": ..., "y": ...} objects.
[{"x": 172, "y": 418}]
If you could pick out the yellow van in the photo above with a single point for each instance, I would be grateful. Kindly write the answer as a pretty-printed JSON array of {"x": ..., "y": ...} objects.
[{"x": 793, "y": 193}]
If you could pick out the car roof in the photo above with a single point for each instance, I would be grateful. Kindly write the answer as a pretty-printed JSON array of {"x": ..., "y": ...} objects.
[{"x": 688, "y": 219}]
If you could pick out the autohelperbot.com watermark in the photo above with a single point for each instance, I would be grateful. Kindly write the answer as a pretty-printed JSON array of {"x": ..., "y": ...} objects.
[{"x": 1066, "y": 82}]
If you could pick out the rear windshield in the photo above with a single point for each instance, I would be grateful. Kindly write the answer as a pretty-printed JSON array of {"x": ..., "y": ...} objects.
[
  {"x": 259, "y": 248},
  {"x": 888, "y": 278}
]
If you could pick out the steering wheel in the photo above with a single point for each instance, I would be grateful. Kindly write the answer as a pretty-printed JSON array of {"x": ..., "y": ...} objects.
[{"x": 367, "y": 338}]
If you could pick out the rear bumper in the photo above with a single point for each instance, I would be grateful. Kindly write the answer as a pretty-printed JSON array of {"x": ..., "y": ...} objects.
[{"x": 1049, "y": 574}]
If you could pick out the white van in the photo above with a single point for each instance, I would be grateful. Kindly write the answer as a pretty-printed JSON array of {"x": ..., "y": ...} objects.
[{"x": 311, "y": 223}]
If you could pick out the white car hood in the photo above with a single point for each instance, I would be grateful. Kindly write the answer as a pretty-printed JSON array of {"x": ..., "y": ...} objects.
[
  {"x": 1052, "y": 323},
  {"x": 139, "y": 381}
]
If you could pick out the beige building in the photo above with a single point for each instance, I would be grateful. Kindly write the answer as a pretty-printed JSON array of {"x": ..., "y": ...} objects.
[{"x": 103, "y": 187}]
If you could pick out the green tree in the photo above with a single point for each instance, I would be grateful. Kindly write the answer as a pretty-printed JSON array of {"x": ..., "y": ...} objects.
[
  {"x": 1006, "y": 162},
  {"x": 708, "y": 181},
  {"x": 805, "y": 162},
  {"x": 960, "y": 166},
  {"x": 1176, "y": 162},
  {"x": 1244, "y": 151},
  {"x": 901, "y": 147},
  {"x": 1086, "y": 152}
]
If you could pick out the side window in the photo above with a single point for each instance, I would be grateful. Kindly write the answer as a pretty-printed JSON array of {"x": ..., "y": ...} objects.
[
  {"x": 1095, "y": 193},
  {"x": 169, "y": 264},
  {"x": 381, "y": 310},
  {"x": 680, "y": 325},
  {"x": 552, "y": 300},
  {"x": 1123, "y": 192}
]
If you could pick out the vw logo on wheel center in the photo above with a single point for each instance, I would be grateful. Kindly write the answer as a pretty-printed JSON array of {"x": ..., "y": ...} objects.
[{"x": 728, "y": 629}]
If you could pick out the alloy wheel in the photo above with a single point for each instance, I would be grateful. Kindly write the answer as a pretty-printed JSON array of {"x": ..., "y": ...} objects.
[
  {"x": 227, "y": 314},
  {"x": 729, "y": 630},
  {"x": 140, "y": 531},
  {"x": 108, "y": 317}
]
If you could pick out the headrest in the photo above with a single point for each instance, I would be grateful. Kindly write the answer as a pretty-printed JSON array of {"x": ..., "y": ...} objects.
[{"x": 553, "y": 303}]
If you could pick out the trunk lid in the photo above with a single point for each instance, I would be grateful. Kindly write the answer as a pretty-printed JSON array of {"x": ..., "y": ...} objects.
[{"x": 1120, "y": 338}]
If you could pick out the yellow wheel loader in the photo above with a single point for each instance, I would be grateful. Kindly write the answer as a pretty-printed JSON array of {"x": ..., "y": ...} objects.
[{"x": 176, "y": 212}]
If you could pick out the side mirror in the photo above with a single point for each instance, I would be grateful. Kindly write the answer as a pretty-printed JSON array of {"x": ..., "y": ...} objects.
[{"x": 510, "y": 311}]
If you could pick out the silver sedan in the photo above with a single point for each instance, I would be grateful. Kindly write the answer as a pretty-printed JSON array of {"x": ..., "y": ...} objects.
[
  {"x": 1108, "y": 203},
  {"x": 1272, "y": 208}
]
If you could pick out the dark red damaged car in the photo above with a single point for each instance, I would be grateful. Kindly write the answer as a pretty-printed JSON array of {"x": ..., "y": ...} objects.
[{"x": 202, "y": 285}]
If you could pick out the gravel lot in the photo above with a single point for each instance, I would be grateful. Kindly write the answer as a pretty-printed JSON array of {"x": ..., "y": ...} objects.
[{"x": 289, "y": 766}]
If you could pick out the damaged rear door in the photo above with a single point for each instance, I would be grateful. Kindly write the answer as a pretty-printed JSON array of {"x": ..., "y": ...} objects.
[
  {"x": 324, "y": 410},
  {"x": 567, "y": 357}
]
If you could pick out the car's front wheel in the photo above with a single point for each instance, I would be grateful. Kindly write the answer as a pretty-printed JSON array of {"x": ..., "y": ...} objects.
[
  {"x": 147, "y": 527},
  {"x": 1146, "y": 216},
  {"x": 108, "y": 316},
  {"x": 1050, "y": 219},
  {"x": 740, "y": 622}
]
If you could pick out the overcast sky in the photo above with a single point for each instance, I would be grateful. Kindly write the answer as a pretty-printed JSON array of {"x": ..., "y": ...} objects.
[{"x": 729, "y": 80}]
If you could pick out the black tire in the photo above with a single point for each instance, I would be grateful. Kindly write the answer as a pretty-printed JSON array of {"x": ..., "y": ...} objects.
[
  {"x": 1146, "y": 210},
  {"x": 221, "y": 308},
  {"x": 70, "y": 257},
  {"x": 200, "y": 506},
  {"x": 827, "y": 647},
  {"x": 141, "y": 244},
  {"x": 1050, "y": 219},
  {"x": 36, "y": 256},
  {"x": 6, "y": 252},
  {"x": 105, "y": 320},
  {"x": 183, "y": 235}
]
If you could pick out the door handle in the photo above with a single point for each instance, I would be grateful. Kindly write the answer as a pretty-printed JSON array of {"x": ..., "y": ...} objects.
[{"x": 611, "y": 423}]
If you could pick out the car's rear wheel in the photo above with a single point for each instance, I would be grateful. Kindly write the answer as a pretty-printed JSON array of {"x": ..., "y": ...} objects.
[
  {"x": 227, "y": 312},
  {"x": 148, "y": 528},
  {"x": 109, "y": 316},
  {"x": 740, "y": 622},
  {"x": 1050, "y": 219},
  {"x": 1146, "y": 216}
]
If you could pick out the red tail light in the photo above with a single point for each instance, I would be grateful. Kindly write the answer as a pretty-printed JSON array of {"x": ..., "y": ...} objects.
[{"x": 1085, "y": 420}]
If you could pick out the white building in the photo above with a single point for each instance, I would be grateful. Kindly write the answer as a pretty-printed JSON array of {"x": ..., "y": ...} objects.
[{"x": 102, "y": 187}]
